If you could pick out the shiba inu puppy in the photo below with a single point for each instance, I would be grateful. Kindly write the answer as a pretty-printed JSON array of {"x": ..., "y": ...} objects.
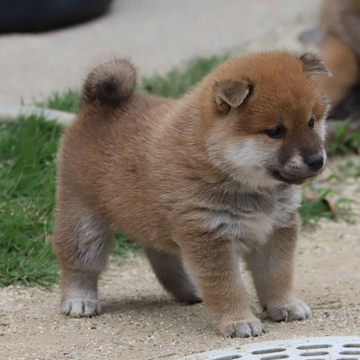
[
  {"x": 198, "y": 181},
  {"x": 340, "y": 48}
]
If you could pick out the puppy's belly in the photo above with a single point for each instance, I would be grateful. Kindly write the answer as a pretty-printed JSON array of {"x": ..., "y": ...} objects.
[{"x": 246, "y": 230}]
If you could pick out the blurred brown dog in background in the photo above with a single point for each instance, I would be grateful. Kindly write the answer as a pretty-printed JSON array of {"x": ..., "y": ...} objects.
[{"x": 340, "y": 47}]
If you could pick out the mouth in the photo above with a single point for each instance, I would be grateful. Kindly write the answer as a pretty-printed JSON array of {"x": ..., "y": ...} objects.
[{"x": 291, "y": 180}]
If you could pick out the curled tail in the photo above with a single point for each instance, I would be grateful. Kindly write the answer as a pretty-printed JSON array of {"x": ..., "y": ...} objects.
[{"x": 110, "y": 84}]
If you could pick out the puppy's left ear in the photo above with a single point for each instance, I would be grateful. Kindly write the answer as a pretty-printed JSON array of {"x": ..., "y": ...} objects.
[
  {"x": 313, "y": 65},
  {"x": 231, "y": 93}
]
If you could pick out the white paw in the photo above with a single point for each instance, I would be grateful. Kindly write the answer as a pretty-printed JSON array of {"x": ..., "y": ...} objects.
[
  {"x": 243, "y": 329},
  {"x": 81, "y": 307},
  {"x": 293, "y": 310}
]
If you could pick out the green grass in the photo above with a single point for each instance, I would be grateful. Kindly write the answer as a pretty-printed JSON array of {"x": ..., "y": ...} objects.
[
  {"x": 64, "y": 101},
  {"x": 313, "y": 209},
  {"x": 344, "y": 141},
  {"x": 178, "y": 81},
  {"x": 350, "y": 169},
  {"x": 27, "y": 172}
]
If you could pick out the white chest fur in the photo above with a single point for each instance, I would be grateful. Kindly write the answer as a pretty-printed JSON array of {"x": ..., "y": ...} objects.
[{"x": 250, "y": 218}]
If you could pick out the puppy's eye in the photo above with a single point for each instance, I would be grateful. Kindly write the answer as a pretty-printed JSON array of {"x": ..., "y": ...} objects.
[
  {"x": 276, "y": 132},
  {"x": 311, "y": 123}
]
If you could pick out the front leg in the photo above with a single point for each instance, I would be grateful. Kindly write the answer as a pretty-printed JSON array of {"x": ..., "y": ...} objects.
[
  {"x": 272, "y": 268},
  {"x": 215, "y": 266}
]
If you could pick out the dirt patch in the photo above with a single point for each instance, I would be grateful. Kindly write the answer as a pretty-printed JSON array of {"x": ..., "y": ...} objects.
[{"x": 141, "y": 321}]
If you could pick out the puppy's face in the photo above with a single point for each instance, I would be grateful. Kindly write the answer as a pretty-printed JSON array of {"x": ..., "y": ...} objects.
[{"x": 270, "y": 125}]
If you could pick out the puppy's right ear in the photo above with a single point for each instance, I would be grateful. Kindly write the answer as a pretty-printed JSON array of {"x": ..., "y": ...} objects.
[
  {"x": 313, "y": 65},
  {"x": 230, "y": 93}
]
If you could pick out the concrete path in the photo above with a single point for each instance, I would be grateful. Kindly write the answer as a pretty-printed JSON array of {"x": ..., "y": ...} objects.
[{"x": 157, "y": 34}]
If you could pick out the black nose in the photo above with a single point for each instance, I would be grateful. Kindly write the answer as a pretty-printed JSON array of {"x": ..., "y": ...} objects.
[{"x": 315, "y": 162}]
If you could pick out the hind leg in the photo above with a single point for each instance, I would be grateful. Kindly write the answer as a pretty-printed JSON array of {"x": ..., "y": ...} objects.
[
  {"x": 82, "y": 243},
  {"x": 171, "y": 273}
]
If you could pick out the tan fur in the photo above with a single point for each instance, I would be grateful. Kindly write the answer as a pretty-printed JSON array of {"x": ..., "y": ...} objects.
[
  {"x": 198, "y": 181},
  {"x": 340, "y": 30}
]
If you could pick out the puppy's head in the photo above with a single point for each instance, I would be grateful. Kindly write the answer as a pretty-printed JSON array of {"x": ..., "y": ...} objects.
[{"x": 266, "y": 118}]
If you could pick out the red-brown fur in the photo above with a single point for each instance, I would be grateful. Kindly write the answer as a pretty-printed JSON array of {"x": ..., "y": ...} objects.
[{"x": 165, "y": 172}]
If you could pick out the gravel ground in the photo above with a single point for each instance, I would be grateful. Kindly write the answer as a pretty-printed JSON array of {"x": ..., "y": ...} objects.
[{"x": 141, "y": 321}]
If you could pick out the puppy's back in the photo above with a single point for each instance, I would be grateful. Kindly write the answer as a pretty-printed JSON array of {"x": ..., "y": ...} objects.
[{"x": 104, "y": 152}]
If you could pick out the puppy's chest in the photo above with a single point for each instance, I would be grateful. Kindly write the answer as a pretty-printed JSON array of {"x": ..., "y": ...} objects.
[{"x": 248, "y": 218}]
